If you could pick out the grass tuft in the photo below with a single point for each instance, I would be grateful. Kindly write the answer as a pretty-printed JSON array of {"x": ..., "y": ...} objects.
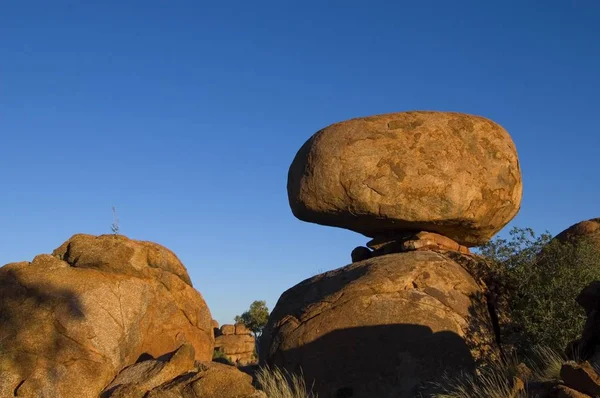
[
  {"x": 277, "y": 383},
  {"x": 497, "y": 379},
  {"x": 489, "y": 384},
  {"x": 545, "y": 363}
]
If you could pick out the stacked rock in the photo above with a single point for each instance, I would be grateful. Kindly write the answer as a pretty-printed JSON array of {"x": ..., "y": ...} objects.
[
  {"x": 424, "y": 186},
  {"x": 237, "y": 343},
  {"x": 382, "y": 176}
]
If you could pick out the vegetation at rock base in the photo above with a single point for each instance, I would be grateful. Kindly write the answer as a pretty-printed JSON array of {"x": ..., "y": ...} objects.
[
  {"x": 255, "y": 318},
  {"x": 219, "y": 356},
  {"x": 506, "y": 378},
  {"x": 277, "y": 383},
  {"x": 541, "y": 278}
]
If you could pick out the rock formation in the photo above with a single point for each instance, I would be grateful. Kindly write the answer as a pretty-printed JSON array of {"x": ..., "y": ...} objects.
[
  {"x": 177, "y": 375},
  {"x": 237, "y": 343},
  {"x": 381, "y": 326},
  {"x": 425, "y": 186},
  {"x": 588, "y": 230},
  {"x": 454, "y": 174},
  {"x": 72, "y": 320}
]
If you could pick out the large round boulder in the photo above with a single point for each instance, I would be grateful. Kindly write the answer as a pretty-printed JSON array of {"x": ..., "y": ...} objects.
[
  {"x": 450, "y": 173},
  {"x": 381, "y": 327},
  {"x": 69, "y": 322}
]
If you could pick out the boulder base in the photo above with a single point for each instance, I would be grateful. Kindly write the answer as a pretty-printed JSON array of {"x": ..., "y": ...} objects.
[{"x": 381, "y": 327}]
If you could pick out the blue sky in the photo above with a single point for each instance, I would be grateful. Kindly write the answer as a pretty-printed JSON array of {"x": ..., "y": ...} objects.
[{"x": 185, "y": 115}]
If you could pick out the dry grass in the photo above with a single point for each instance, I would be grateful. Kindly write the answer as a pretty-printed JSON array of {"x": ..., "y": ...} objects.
[
  {"x": 496, "y": 381},
  {"x": 277, "y": 383},
  {"x": 545, "y": 364},
  {"x": 491, "y": 384}
]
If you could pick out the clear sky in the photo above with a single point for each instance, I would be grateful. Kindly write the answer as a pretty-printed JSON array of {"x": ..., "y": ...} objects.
[{"x": 185, "y": 115}]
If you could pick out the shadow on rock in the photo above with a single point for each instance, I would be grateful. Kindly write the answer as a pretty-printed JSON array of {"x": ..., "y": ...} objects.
[
  {"x": 18, "y": 300},
  {"x": 386, "y": 360}
]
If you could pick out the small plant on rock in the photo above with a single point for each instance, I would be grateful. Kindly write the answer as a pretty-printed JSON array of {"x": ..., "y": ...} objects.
[
  {"x": 219, "y": 356},
  {"x": 115, "y": 225}
]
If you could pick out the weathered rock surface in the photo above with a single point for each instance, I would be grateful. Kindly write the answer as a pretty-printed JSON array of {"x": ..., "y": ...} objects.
[
  {"x": 241, "y": 329},
  {"x": 176, "y": 375},
  {"x": 581, "y": 377},
  {"x": 138, "y": 379},
  {"x": 121, "y": 255},
  {"x": 409, "y": 241},
  {"x": 381, "y": 327},
  {"x": 566, "y": 392},
  {"x": 210, "y": 380},
  {"x": 588, "y": 230},
  {"x": 405, "y": 242},
  {"x": 71, "y": 321},
  {"x": 238, "y": 347},
  {"x": 228, "y": 330},
  {"x": 454, "y": 174}
]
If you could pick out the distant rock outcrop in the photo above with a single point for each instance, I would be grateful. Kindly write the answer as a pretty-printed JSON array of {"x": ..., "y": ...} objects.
[
  {"x": 454, "y": 174},
  {"x": 237, "y": 343},
  {"x": 72, "y": 320},
  {"x": 381, "y": 327},
  {"x": 588, "y": 230}
]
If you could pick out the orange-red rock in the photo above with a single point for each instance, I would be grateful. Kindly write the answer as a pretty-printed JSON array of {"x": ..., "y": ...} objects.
[
  {"x": 69, "y": 326},
  {"x": 227, "y": 329},
  {"x": 121, "y": 255},
  {"x": 240, "y": 328},
  {"x": 450, "y": 173},
  {"x": 581, "y": 377},
  {"x": 238, "y": 346},
  {"x": 381, "y": 327},
  {"x": 588, "y": 230},
  {"x": 175, "y": 375}
]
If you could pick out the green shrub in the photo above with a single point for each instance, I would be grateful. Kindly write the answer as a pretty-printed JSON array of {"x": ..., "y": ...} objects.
[
  {"x": 219, "y": 356},
  {"x": 255, "y": 318},
  {"x": 277, "y": 383},
  {"x": 541, "y": 279}
]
